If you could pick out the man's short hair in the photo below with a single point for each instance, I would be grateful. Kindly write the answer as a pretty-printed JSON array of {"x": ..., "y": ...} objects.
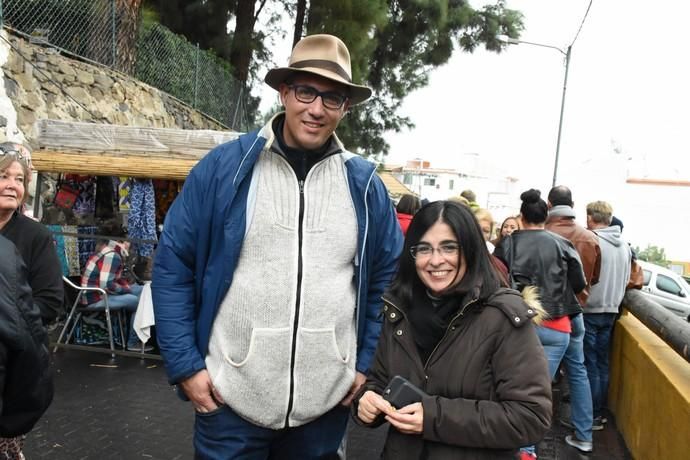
[
  {"x": 600, "y": 212},
  {"x": 560, "y": 195}
]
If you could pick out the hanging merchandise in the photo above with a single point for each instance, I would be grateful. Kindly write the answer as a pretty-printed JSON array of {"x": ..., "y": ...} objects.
[
  {"x": 124, "y": 188},
  {"x": 66, "y": 196},
  {"x": 105, "y": 198},
  {"x": 141, "y": 222}
]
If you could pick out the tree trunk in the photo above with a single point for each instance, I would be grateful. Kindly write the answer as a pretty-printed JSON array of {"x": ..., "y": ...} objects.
[
  {"x": 299, "y": 21},
  {"x": 126, "y": 34},
  {"x": 242, "y": 46}
]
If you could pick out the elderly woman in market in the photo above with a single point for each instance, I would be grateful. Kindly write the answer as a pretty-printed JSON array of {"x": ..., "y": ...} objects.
[
  {"x": 465, "y": 341},
  {"x": 33, "y": 240}
]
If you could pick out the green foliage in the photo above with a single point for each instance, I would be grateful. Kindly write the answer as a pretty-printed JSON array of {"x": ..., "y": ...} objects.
[
  {"x": 395, "y": 44},
  {"x": 652, "y": 254}
]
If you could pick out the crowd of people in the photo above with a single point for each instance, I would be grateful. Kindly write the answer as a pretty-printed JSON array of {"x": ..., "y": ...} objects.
[{"x": 291, "y": 295}]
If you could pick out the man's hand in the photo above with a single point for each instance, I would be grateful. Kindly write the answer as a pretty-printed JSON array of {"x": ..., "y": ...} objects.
[
  {"x": 371, "y": 405},
  {"x": 356, "y": 385},
  {"x": 409, "y": 419},
  {"x": 200, "y": 390}
]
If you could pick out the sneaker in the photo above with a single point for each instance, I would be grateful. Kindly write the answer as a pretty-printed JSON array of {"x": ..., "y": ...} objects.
[
  {"x": 137, "y": 348},
  {"x": 524, "y": 455},
  {"x": 566, "y": 423},
  {"x": 598, "y": 423},
  {"x": 582, "y": 446}
]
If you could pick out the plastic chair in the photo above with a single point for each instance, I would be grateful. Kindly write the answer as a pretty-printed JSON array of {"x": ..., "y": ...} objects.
[{"x": 79, "y": 309}]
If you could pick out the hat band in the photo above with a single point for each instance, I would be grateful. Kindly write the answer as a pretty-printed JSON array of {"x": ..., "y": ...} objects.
[{"x": 323, "y": 64}]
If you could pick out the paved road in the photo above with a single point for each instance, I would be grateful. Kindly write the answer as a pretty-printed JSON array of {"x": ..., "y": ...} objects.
[{"x": 124, "y": 409}]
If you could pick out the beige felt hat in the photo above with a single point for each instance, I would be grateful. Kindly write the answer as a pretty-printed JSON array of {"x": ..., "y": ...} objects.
[{"x": 322, "y": 55}]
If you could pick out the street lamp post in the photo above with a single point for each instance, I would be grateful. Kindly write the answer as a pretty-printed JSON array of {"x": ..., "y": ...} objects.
[{"x": 566, "y": 53}]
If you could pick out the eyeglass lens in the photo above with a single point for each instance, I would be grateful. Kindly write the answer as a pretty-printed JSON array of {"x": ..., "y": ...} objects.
[{"x": 308, "y": 94}]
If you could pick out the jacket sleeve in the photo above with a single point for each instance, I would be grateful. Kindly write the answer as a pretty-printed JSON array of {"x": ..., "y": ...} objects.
[
  {"x": 173, "y": 285},
  {"x": 520, "y": 412},
  {"x": 3, "y": 372},
  {"x": 45, "y": 276},
  {"x": 385, "y": 250},
  {"x": 576, "y": 275},
  {"x": 377, "y": 379}
]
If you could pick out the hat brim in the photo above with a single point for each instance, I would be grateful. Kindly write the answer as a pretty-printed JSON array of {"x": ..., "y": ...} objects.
[{"x": 358, "y": 93}]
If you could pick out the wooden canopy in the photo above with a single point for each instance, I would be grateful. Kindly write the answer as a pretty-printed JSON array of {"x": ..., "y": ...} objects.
[{"x": 110, "y": 150}]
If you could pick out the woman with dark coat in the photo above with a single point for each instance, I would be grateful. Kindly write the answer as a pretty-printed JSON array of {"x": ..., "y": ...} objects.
[
  {"x": 469, "y": 343},
  {"x": 26, "y": 385},
  {"x": 33, "y": 240}
]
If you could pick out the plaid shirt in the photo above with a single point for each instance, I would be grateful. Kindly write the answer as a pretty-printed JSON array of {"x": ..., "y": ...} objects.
[{"x": 104, "y": 270}]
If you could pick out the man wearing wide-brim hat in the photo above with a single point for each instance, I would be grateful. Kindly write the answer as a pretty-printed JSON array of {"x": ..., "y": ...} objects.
[{"x": 268, "y": 277}]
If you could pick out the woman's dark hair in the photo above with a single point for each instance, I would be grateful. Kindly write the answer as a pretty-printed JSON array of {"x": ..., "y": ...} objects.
[
  {"x": 408, "y": 204},
  {"x": 110, "y": 229},
  {"x": 479, "y": 269},
  {"x": 533, "y": 209}
]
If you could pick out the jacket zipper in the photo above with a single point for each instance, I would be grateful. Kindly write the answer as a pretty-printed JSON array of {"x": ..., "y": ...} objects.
[{"x": 298, "y": 299}]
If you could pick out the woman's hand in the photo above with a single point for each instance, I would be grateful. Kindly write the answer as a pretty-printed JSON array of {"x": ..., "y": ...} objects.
[
  {"x": 371, "y": 405},
  {"x": 407, "y": 420}
]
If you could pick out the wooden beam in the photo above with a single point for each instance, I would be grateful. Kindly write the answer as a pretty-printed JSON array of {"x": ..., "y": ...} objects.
[{"x": 113, "y": 164}]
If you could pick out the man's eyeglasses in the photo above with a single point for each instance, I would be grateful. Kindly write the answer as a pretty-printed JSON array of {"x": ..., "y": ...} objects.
[
  {"x": 17, "y": 153},
  {"x": 425, "y": 251},
  {"x": 307, "y": 95}
]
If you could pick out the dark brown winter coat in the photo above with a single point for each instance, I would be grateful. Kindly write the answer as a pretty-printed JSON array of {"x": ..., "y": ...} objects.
[{"x": 488, "y": 381}]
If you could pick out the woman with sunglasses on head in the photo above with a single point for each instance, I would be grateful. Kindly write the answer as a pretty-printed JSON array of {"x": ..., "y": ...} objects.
[
  {"x": 452, "y": 329},
  {"x": 33, "y": 240}
]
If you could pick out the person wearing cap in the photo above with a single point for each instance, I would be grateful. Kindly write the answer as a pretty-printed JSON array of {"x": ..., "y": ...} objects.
[
  {"x": 268, "y": 277},
  {"x": 33, "y": 240}
]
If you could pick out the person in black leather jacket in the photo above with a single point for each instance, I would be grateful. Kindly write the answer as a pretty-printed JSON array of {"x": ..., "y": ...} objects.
[
  {"x": 538, "y": 257},
  {"x": 26, "y": 382}
]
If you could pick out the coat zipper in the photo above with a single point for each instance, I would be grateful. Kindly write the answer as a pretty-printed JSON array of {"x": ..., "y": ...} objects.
[{"x": 298, "y": 299}]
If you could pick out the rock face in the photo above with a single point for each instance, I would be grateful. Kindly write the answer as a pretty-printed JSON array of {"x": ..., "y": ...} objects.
[{"x": 41, "y": 83}]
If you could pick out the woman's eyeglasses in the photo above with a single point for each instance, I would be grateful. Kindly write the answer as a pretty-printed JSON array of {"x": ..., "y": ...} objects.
[{"x": 425, "y": 251}]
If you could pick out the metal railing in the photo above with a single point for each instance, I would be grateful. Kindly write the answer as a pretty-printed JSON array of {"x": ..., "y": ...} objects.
[{"x": 109, "y": 33}]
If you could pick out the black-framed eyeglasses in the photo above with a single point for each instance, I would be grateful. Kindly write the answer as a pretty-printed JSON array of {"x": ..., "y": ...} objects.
[
  {"x": 17, "y": 153},
  {"x": 307, "y": 94},
  {"x": 425, "y": 250}
]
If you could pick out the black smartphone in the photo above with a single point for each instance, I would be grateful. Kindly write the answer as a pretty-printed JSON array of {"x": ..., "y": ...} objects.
[{"x": 400, "y": 392}]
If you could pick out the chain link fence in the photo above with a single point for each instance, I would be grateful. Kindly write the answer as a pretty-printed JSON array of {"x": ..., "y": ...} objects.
[{"x": 109, "y": 32}]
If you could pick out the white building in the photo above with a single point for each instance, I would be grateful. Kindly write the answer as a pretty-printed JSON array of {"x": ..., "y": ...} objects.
[{"x": 499, "y": 194}]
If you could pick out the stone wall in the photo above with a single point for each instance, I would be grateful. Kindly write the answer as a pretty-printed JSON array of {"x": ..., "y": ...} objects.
[{"x": 39, "y": 83}]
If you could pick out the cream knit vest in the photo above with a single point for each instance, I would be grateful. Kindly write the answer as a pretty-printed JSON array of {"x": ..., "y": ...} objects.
[{"x": 251, "y": 342}]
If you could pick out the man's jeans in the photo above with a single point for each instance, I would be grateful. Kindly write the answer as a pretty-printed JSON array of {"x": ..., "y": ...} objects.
[
  {"x": 555, "y": 344},
  {"x": 223, "y": 434},
  {"x": 580, "y": 394},
  {"x": 598, "y": 327},
  {"x": 129, "y": 302}
]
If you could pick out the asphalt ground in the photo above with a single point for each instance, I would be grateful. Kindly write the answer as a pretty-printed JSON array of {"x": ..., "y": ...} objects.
[{"x": 123, "y": 408}]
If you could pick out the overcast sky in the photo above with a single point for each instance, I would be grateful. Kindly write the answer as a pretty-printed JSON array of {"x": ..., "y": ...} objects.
[{"x": 626, "y": 111}]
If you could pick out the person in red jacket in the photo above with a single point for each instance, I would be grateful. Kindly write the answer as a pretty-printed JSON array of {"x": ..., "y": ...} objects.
[{"x": 406, "y": 209}]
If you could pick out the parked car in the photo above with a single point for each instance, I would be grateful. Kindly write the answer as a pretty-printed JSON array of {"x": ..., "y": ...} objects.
[{"x": 667, "y": 288}]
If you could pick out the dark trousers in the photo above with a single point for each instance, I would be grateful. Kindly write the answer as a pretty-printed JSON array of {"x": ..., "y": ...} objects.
[
  {"x": 597, "y": 346},
  {"x": 222, "y": 434}
]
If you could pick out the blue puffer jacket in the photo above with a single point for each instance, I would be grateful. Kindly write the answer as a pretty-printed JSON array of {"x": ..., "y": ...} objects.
[{"x": 202, "y": 238}]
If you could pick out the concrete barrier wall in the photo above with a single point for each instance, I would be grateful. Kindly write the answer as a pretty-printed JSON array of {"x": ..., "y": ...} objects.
[{"x": 649, "y": 393}]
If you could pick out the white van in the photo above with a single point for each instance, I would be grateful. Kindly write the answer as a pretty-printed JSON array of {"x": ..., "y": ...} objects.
[{"x": 667, "y": 288}]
